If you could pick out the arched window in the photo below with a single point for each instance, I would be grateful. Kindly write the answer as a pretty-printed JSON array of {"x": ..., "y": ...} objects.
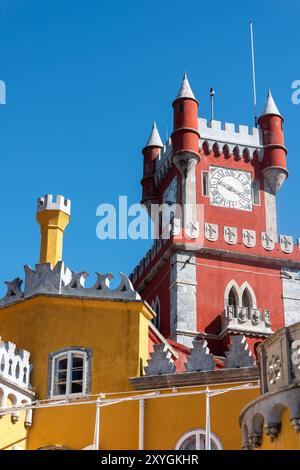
[
  {"x": 69, "y": 372},
  {"x": 233, "y": 298},
  {"x": 195, "y": 440},
  {"x": 248, "y": 296},
  {"x": 155, "y": 305},
  {"x": 239, "y": 296},
  {"x": 246, "y": 299}
]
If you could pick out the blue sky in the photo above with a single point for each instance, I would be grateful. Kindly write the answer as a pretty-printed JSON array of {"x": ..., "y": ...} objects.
[{"x": 86, "y": 78}]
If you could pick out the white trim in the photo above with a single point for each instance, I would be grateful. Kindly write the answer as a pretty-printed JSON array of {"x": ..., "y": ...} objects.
[
  {"x": 247, "y": 286},
  {"x": 228, "y": 288},
  {"x": 141, "y": 423},
  {"x": 239, "y": 291},
  {"x": 69, "y": 356},
  {"x": 198, "y": 433}
]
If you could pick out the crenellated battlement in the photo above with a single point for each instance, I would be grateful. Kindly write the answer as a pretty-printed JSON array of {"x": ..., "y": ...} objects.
[
  {"x": 164, "y": 161},
  {"x": 228, "y": 136},
  {"x": 14, "y": 364},
  {"x": 60, "y": 280},
  {"x": 51, "y": 203},
  {"x": 230, "y": 132},
  {"x": 225, "y": 137}
]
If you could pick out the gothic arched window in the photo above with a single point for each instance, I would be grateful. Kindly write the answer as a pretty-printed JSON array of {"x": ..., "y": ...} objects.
[
  {"x": 233, "y": 298},
  {"x": 246, "y": 299},
  {"x": 155, "y": 305}
]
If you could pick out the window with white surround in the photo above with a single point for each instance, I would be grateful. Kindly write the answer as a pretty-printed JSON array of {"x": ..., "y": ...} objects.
[
  {"x": 69, "y": 372},
  {"x": 195, "y": 440}
]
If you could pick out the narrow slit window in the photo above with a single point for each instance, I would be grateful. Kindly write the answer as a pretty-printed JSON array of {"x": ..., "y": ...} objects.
[
  {"x": 255, "y": 192},
  {"x": 205, "y": 183}
]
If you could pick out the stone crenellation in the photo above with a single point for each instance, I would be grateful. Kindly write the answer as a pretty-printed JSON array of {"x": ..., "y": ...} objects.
[
  {"x": 230, "y": 133},
  {"x": 238, "y": 354},
  {"x": 60, "y": 280},
  {"x": 227, "y": 138},
  {"x": 164, "y": 161},
  {"x": 160, "y": 361},
  {"x": 200, "y": 358},
  {"x": 50, "y": 202},
  {"x": 147, "y": 259},
  {"x": 14, "y": 364}
]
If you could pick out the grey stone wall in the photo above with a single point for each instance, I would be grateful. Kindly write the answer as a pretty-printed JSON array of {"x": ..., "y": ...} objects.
[
  {"x": 271, "y": 214},
  {"x": 183, "y": 312},
  {"x": 291, "y": 295}
]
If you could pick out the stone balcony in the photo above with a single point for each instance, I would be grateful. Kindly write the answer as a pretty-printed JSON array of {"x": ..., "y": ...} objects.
[
  {"x": 279, "y": 368},
  {"x": 246, "y": 320},
  {"x": 280, "y": 359}
]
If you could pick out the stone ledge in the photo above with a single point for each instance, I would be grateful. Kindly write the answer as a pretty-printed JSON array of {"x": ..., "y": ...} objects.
[{"x": 244, "y": 374}]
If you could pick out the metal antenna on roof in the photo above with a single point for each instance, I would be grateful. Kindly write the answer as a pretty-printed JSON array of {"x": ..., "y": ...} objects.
[
  {"x": 212, "y": 104},
  {"x": 253, "y": 73}
]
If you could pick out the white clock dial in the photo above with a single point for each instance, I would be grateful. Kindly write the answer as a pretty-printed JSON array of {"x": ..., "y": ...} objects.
[
  {"x": 170, "y": 193},
  {"x": 230, "y": 188}
]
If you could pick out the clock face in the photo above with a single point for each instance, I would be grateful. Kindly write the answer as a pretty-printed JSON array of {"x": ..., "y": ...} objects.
[
  {"x": 230, "y": 188},
  {"x": 170, "y": 193}
]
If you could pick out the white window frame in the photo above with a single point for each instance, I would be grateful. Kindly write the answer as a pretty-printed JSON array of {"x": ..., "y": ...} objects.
[
  {"x": 198, "y": 433},
  {"x": 203, "y": 172},
  {"x": 69, "y": 353}
]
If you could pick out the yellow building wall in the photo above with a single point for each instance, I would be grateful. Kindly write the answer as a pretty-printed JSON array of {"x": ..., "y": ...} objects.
[
  {"x": 288, "y": 438},
  {"x": 117, "y": 333},
  {"x": 112, "y": 329},
  {"x": 12, "y": 434},
  {"x": 166, "y": 421}
]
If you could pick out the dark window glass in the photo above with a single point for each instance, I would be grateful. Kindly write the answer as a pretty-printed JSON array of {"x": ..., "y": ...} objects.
[{"x": 205, "y": 183}]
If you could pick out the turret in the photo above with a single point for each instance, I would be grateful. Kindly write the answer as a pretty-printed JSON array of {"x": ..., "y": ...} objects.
[
  {"x": 150, "y": 153},
  {"x": 274, "y": 163},
  {"x": 53, "y": 215},
  {"x": 185, "y": 137}
]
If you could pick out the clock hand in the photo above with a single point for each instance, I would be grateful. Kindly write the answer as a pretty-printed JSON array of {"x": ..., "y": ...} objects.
[{"x": 231, "y": 188}]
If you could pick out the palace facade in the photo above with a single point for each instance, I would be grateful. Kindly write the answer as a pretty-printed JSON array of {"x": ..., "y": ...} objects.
[{"x": 167, "y": 360}]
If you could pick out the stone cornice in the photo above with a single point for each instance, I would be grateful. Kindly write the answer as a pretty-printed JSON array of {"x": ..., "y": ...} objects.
[{"x": 222, "y": 376}]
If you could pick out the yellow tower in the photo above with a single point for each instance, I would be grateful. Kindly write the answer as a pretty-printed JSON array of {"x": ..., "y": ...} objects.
[{"x": 53, "y": 215}]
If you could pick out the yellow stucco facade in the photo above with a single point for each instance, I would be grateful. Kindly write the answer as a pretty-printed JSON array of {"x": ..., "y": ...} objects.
[
  {"x": 288, "y": 438},
  {"x": 56, "y": 319},
  {"x": 117, "y": 334}
]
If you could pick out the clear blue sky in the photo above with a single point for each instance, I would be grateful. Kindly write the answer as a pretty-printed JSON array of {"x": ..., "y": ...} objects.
[{"x": 86, "y": 78}]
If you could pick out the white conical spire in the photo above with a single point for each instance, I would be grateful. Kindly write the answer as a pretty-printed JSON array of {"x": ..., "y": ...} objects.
[
  {"x": 154, "y": 138},
  {"x": 185, "y": 89},
  {"x": 270, "y": 106}
]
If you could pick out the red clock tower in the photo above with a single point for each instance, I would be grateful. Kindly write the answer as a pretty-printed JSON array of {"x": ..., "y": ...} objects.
[{"x": 224, "y": 270}]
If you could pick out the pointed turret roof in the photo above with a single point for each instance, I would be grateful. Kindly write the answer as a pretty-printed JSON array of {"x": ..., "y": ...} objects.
[
  {"x": 270, "y": 106},
  {"x": 154, "y": 138},
  {"x": 185, "y": 89}
]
